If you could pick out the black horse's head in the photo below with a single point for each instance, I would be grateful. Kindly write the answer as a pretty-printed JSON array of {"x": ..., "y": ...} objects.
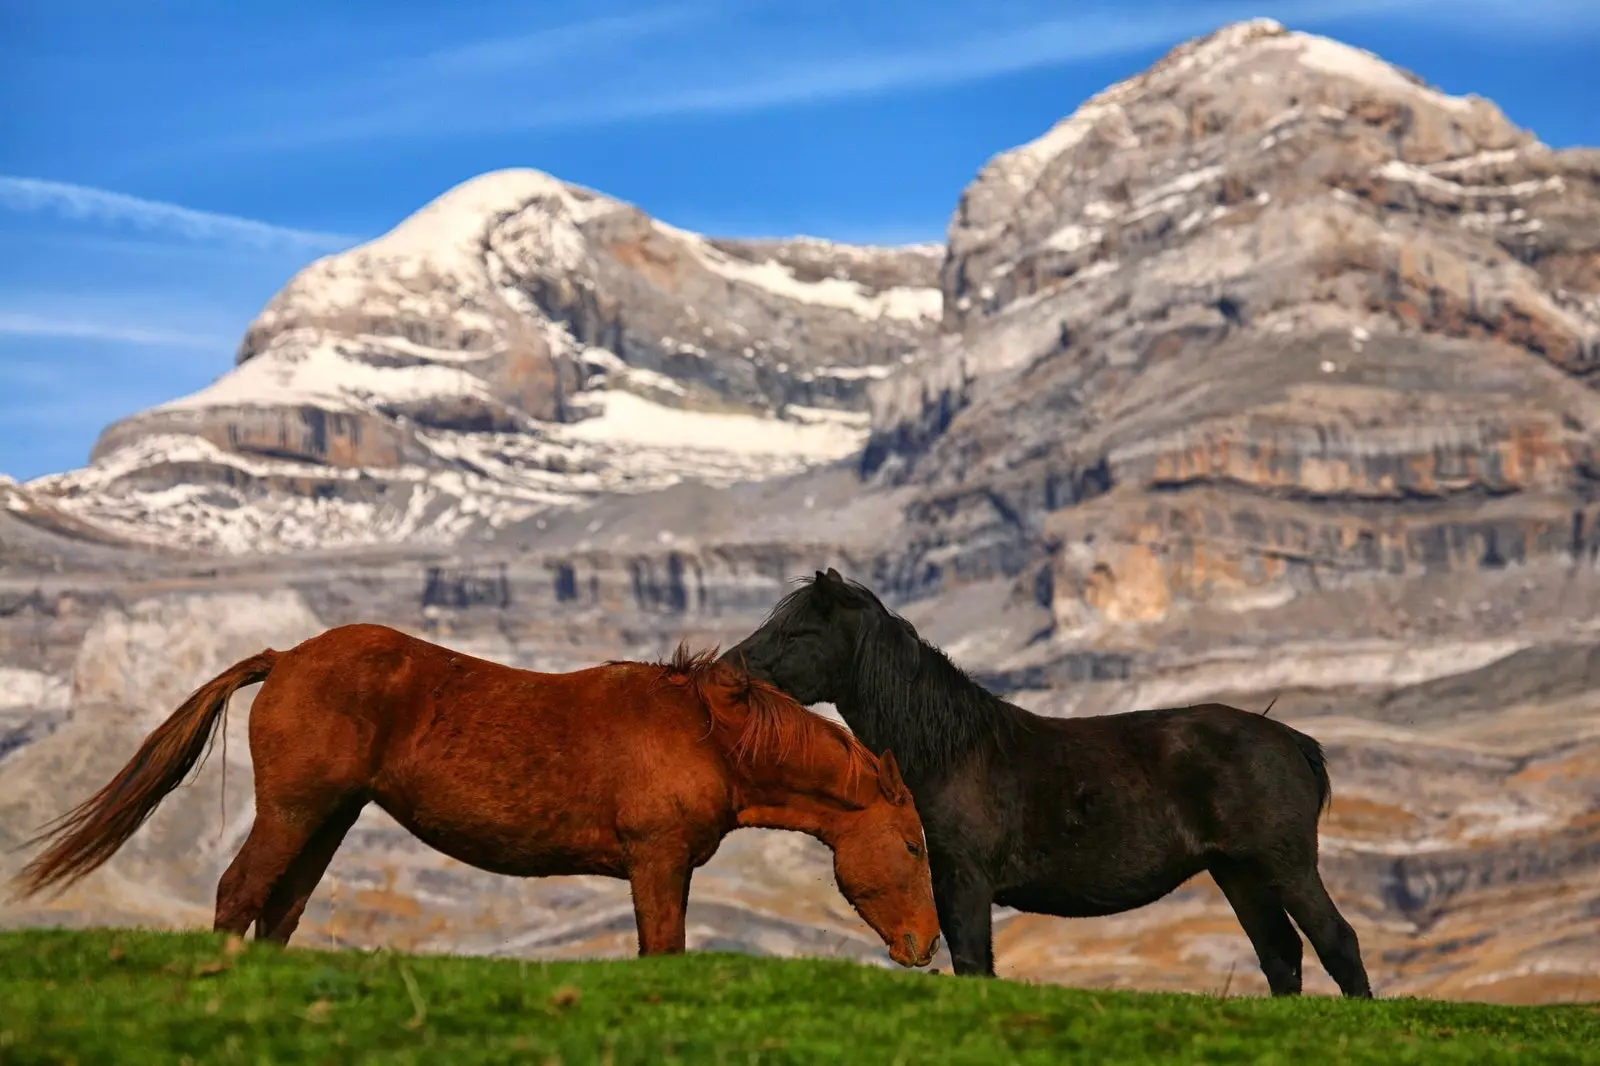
[{"x": 821, "y": 638}]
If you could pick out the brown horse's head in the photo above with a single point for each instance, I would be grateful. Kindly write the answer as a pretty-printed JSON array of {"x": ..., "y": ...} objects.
[{"x": 881, "y": 863}]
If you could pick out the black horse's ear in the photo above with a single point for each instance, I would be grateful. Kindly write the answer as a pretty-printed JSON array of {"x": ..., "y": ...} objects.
[
  {"x": 834, "y": 576},
  {"x": 821, "y": 591}
]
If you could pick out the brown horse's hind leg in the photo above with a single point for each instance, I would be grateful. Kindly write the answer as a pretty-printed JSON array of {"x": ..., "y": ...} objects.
[
  {"x": 1278, "y": 946},
  {"x": 273, "y": 844},
  {"x": 660, "y": 878},
  {"x": 287, "y": 903}
]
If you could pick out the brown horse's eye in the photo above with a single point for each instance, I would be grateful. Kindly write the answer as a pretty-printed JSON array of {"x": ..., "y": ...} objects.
[{"x": 914, "y": 849}]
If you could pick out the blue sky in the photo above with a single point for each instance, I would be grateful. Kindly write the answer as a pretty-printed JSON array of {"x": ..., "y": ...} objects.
[{"x": 166, "y": 165}]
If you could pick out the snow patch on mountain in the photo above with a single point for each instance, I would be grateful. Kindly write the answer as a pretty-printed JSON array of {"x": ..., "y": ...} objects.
[
  {"x": 306, "y": 366},
  {"x": 1358, "y": 64},
  {"x": 625, "y": 419},
  {"x": 629, "y": 444},
  {"x": 907, "y": 303}
]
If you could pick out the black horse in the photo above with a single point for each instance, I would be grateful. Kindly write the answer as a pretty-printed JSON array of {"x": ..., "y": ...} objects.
[{"x": 1069, "y": 817}]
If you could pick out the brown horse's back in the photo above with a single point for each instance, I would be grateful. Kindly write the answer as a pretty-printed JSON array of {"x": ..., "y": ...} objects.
[{"x": 514, "y": 771}]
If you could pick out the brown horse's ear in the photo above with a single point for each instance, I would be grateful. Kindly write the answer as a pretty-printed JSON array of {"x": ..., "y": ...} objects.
[{"x": 890, "y": 783}]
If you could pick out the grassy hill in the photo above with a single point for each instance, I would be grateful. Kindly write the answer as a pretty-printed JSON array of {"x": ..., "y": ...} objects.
[{"x": 135, "y": 997}]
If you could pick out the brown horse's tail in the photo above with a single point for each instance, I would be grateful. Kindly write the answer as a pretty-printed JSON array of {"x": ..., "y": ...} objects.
[{"x": 89, "y": 834}]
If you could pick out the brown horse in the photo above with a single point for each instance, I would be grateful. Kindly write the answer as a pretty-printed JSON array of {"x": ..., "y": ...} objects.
[{"x": 628, "y": 770}]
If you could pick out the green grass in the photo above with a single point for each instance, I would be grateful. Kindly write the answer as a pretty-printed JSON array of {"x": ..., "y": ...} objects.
[{"x": 137, "y": 997}]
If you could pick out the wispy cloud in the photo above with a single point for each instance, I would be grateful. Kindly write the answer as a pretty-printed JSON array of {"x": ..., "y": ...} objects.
[
  {"x": 556, "y": 44},
  {"x": 1091, "y": 35},
  {"x": 1039, "y": 45},
  {"x": 35, "y": 195},
  {"x": 17, "y": 323},
  {"x": 632, "y": 67},
  {"x": 476, "y": 85}
]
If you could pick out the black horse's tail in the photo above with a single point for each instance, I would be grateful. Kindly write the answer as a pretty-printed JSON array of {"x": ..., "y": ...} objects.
[{"x": 1319, "y": 768}]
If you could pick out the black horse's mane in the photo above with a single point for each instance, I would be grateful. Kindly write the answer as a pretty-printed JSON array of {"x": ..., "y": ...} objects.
[{"x": 929, "y": 716}]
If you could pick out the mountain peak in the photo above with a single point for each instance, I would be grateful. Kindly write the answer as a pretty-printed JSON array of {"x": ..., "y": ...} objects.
[
  {"x": 1259, "y": 53},
  {"x": 450, "y": 230}
]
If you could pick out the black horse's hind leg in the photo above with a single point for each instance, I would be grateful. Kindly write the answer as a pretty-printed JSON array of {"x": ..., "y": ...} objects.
[
  {"x": 963, "y": 899},
  {"x": 1307, "y": 901},
  {"x": 1278, "y": 946}
]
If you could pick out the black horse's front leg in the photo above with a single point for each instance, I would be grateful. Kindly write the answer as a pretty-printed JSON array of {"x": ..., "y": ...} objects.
[{"x": 963, "y": 897}]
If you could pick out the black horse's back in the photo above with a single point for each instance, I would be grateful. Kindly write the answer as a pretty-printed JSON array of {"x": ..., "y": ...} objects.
[
  {"x": 1234, "y": 783},
  {"x": 1238, "y": 736},
  {"x": 1077, "y": 816}
]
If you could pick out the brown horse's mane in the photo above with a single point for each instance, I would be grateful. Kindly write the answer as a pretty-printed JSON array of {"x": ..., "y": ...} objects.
[{"x": 773, "y": 724}]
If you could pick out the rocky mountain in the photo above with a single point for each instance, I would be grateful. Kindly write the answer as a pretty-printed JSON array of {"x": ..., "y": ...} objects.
[
  {"x": 1271, "y": 313},
  {"x": 518, "y": 344},
  {"x": 1267, "y": 374}
]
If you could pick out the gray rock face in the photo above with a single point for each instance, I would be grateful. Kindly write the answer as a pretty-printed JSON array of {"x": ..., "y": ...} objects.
[{"x": 1266, "y": 375}]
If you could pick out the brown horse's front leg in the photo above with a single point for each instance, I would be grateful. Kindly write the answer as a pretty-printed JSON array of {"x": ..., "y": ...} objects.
[{"x": 660, "y": 881}]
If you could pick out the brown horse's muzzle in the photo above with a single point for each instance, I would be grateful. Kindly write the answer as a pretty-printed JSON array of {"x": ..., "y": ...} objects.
[{"x": 906, "y": 953}]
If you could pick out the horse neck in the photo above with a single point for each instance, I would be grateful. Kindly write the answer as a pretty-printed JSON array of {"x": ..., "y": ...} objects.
[
  {"x": 809, "y": 794},
  {"x": 932, "y": 723}
]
